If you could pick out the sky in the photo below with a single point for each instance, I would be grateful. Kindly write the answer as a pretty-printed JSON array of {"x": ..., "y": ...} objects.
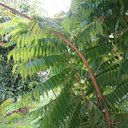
[
  {"x": 55, "y": 6},
  {"x": 50, "y": 7}
]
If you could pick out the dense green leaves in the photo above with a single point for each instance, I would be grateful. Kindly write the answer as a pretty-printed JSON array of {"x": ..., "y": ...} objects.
[{"x": 99, "y": 29}]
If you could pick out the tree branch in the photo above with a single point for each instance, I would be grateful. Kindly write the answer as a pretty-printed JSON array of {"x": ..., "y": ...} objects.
[
  {"x": 15, "y": 11},
  {"x": 107, "y": 115},
  {"x": 1, "y": 44}
]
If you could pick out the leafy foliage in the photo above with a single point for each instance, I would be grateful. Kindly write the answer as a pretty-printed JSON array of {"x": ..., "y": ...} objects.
[
  {"x": 10, "y": 86},
  {"x": 15, "y": 119},
  {"x": 99, "y": 29}
]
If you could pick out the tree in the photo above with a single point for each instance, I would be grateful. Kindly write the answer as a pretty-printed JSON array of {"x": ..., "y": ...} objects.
[{"x": 99, "y": 30}]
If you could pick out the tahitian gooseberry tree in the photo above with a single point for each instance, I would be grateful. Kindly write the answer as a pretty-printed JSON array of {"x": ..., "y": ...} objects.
[{"x": 86, "y": 52}]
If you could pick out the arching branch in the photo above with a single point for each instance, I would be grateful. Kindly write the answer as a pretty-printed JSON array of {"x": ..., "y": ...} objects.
[{"x": 80, "y": 54}]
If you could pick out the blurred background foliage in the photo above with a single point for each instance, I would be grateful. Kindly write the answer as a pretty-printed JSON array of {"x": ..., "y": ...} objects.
[{"x": 11, "y": 86}]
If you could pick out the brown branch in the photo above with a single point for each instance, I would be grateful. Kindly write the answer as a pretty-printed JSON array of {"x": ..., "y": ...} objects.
[
  {"x": 84, "y": 60},
  {"x": 23, "y": 110},
  {"x": 68, "y": 42},
  {"x": 15, "y": 11},
  {"x": 107, "y": 115},
  {"x": 1, "y": 44},
  {"x": 115, "y": 122}
]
